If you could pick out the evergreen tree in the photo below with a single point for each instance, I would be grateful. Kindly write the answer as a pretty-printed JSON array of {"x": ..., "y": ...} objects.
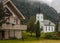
[
  {"x": 37, "y": 30},
  {"x": 57, "y": 23},
  {"x": 2, "y": 14},
  {"x": 30, "y": 25},
  {"x": 32, "y": 8}
]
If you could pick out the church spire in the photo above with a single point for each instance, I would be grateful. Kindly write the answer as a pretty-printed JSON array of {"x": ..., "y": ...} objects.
[{"x": 39, "y": 9}]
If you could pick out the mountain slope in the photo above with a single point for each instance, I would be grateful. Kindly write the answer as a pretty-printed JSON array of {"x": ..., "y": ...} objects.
[{"x": 29, "y": 9}]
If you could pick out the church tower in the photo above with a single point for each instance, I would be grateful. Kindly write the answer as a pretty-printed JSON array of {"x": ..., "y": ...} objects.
[{"x": 39, "y": 17}]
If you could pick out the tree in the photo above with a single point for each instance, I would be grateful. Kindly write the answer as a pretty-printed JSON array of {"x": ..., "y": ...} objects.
[
  {"x": 37, "y": 28},
  {"x": 2, "y": 14},
  {"x": 30, "y": 25},
  {"x": 57, "y": 22},
  {"x": 32, "y": 8}
]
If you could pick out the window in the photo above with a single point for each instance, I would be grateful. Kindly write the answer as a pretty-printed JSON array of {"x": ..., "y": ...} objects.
[
  {"x": 7, "y": 19},
  {"x": 15, "y": 21},
  {"x": 46, "y": 28},
  {"x": 38, "y": 17},
  {"x": 49, "y": 28},
  {"x": 41, "y": 17}
]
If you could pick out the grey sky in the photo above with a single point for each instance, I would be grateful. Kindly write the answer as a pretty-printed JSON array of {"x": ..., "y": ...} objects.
[
  {"x": 56, "y": 5},
  {"x": 45, "y": 1},
  {"x": 0, "y": 0},
  {"x": 53, "y": 3}
]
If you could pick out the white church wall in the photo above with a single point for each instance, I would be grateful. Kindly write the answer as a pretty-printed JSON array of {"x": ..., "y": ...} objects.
[
  {"x": 39, "y": 17},
  {"x": 48, "y": 28}
]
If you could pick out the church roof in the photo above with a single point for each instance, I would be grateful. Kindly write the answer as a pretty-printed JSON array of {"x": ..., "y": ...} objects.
[{"x": 48, "y": 23}]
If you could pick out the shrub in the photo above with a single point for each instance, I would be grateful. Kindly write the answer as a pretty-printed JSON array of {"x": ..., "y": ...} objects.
[
  {"x": 51, "y": 36},
  {"x": 42, "y": 35}
]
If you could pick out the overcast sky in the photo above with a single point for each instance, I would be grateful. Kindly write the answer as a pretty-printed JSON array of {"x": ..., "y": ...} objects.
[{"x": 54, "y": 3}]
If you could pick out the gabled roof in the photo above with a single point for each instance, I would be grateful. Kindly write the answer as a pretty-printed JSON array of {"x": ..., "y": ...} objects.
[
  {"x": 48, "y": 23},
  {"x": 12, "y": 8}
]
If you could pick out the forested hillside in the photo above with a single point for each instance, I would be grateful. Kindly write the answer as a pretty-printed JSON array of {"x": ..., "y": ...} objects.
[{"x": 29, "y": 9}]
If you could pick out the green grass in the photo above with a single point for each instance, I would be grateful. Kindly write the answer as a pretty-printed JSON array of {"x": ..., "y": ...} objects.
[
  {"x": 27, "y": 36},
  {"x": 36, "y": 41},
  {"x": 29, "y": 39}
]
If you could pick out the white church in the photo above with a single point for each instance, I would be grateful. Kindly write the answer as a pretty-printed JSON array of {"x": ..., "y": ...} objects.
[{"x": 45, "y": 25}]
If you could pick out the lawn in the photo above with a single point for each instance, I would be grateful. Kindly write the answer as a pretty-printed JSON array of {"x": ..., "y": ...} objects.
[
  {"x": 36, "y": 41},
  {"x": 29, "y": 39}
]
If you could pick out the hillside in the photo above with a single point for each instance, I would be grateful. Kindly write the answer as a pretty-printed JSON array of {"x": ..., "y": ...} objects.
[{"x": 29, "y": 9}]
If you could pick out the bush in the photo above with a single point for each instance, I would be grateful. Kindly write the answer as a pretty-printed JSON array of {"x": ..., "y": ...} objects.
[
  {"x": 51, "y": 36},
  {"x": 42, "y": 35}
]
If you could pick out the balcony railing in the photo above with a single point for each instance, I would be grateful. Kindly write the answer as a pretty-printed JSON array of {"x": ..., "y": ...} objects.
[{"x": 14, "y": 27}]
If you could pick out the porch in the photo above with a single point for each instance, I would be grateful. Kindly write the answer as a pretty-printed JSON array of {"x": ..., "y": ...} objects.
[
  {"x": 12, "y": 31},
  {"x": 14, "y": 27}
]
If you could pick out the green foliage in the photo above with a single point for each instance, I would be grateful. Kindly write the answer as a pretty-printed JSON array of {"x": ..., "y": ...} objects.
[
  {"x": 37, "y": 30},
  {"x": 22, "y": 21},
  {"x": 56, "y": 27},
  {"x": 29, "y": 9},
  {"x": 2, "y": 14},
  {"x": 52, "y": 36},
  {"x": 30, "y": 25},
  {"x": 57, "y": 22},
  {"x": 42, "y": 35},
  {"x": 58, "y": 18}
]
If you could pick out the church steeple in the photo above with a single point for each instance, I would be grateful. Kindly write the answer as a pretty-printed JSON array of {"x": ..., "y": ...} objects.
[{"x": 39, "y": 9}]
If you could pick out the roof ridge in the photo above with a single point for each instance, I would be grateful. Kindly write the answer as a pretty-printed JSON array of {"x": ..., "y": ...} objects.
[{"x": 5, "y": 1}]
